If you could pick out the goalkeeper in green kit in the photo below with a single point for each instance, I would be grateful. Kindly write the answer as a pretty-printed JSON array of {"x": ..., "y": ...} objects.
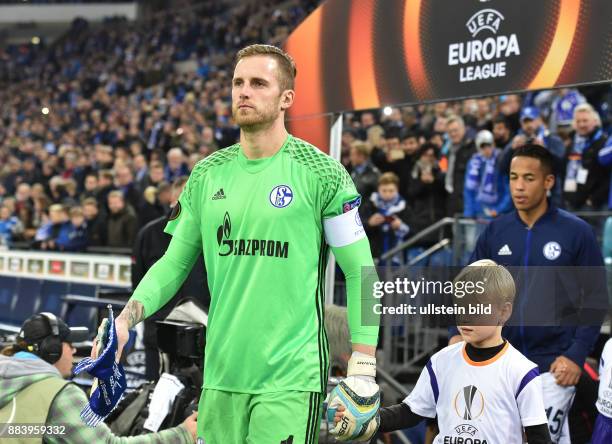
[{"x": 264, "y": 213}]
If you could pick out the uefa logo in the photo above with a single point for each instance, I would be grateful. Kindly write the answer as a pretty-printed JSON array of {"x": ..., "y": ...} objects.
[
  {"x": 489, "y": 19},
  {"x": 281, "y": 196}
]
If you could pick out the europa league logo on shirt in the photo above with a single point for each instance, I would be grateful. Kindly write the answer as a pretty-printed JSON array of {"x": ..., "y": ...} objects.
[{"x": 469, "y": 403}]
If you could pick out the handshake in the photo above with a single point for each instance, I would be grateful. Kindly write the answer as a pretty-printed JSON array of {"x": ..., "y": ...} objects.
[{"x": 353, "y": 404}]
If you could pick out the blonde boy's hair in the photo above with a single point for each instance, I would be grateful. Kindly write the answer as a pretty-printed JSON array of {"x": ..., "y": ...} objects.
[{"x": 498, "y": 283}]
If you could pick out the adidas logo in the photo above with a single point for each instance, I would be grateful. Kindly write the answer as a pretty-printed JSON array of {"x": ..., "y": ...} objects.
[
  {"x": 219, "y": 195},
  {"x": 504, "y": 251}
]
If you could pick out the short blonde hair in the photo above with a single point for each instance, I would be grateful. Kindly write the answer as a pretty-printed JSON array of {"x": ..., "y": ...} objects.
[
  {"x": 116, "y": 193},
  {"x": 454, "y": 118},
  {"x": 498, "y": 286},
  {"x": 286, "y": 64},
  {"x": 76, "y": 211},
  {"x": 361, "y": 147},
  {"x": 389, "y": 179},
  {"x": 587, "y": 108},
  {"x": 57, "y": 208}
]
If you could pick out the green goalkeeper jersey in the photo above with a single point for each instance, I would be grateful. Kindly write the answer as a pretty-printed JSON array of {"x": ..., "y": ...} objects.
[{"x": 260, "y": 226}]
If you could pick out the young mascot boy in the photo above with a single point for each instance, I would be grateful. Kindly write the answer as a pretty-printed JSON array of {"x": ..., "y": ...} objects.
[
  {"x": 482, "y": 390},
  {"x": 602, "y": 433}
]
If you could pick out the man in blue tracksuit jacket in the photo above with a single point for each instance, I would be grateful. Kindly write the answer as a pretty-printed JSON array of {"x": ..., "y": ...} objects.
[{"x": 536, "y": 235}]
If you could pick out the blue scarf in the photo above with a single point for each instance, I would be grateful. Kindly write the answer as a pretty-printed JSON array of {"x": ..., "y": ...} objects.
[
  {"x": 111, "y": 378},
  {"x": 482, "y": 177},
  {"x": 391, "y": 238},
  {"x": 580, "y": 145}
]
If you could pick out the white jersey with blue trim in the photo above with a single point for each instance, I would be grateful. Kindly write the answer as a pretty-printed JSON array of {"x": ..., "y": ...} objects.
[
  {"x": 604, "y": 397},
  {"x": 485, "y": 402}
]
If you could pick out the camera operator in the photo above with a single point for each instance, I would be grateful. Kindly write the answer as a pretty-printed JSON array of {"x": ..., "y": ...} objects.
[{"x": 34, "y": 390}]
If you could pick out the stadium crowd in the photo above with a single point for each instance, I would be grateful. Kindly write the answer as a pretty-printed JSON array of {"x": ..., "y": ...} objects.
[{"x": 96, "y": 127}]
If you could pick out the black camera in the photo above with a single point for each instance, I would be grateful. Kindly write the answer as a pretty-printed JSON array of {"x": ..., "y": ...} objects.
[{"x": 181, "y": 339}]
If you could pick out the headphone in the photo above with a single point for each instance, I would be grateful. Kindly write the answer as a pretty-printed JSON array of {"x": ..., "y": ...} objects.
[{"x": 50, "y": 348}]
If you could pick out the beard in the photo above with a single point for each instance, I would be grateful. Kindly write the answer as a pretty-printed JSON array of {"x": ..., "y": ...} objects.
[
  {"x": 255, "y": 119},
  {"x": 500, "y": 142}
]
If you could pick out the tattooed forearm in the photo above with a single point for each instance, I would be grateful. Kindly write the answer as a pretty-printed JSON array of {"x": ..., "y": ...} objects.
[{"x": 133, "y": 313}]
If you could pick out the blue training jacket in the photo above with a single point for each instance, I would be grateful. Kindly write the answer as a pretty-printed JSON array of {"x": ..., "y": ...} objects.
[{"x": 557, "y": 239}]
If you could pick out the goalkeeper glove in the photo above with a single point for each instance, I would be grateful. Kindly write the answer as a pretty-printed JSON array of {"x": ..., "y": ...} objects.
[{"x": 360, "y": 396}]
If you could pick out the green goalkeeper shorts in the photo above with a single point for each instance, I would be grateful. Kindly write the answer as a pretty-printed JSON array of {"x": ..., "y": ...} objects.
[{"x": 267, "y": 418}]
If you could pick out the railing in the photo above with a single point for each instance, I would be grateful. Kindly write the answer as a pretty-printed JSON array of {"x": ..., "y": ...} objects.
[
  {"x": 431, "y": 250},
  {"x": 417, "y": 237}
]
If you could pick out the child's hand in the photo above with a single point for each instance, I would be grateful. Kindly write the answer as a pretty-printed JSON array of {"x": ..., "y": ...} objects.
[
  {"x": 396, "y": 224},
  {"x": 376, "y": 219}
]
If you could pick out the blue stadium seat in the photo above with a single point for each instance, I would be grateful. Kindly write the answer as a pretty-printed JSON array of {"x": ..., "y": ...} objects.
[
  {"x": 8, "y": 285},
  {"x": 83, "y": 289},
  {"x": 81, "y": 316},
  {"x": 28, "y": 303},
  {"x": 52, "y": 293}
]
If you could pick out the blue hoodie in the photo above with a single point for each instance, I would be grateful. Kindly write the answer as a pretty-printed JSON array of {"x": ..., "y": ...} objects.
[{"x": 558, "y": 239}]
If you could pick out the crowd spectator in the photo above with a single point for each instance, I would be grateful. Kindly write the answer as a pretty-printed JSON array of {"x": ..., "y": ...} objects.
[
  {"x": 74, "y": 236},
  {"x": 105, "y": 186},
  {"x": 501, "y": 132},
  {"x": 96, "y": 223},
  {"x": 124, "y": 181},
  {"x": 156, "y": 203},
  {"x": 587, "y": 181},
  {"x": 56, "y": 227},
  {"x": 140, "y": 167},
  {"x": 510, "y": 108},
  {"x": 385, "y": 217},
  {"x": 122, "y": 222},
  {"x": 460, "y": 150},
  {"x": 364, "y": 174},
  {"x": 486, "y": 191},
  {"x": 10, "y": 226},
  {"x": 426, "y": 194},
  {"x": 176, "y": 166},
  {"x": 397, "y": 154},
  {"x": 154, "y": 177},
  {"x": 90, "y": 186},
  {"x": 533, "y": 130}
]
